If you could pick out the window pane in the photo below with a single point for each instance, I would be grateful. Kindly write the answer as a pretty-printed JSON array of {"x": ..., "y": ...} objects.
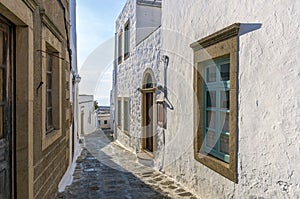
[
  {"x": 210, "y": 119},
  {"x": 225, "y": 99},
  {"x": 49, "y": 61},
  {"x": 49, "y": 119},
  {"x": 225, "y": 72},
  {"x": 49, "y": 81},
  {"x": 224, "y": 122},
  {"x": 211, "y": 139},
  {"x": 49, "y": 99},
  {"x": 126, "y": 42},
  {"x": 211, "y": 98},
  {"x": 211, "y": 74},
  {"x": 224, "y": 143},
  {"x": 120, "y": 47},
  {"x": 149, "y": 82},
  {"x": 119, "y": 113},
  {"x": 126, "y": 39},
  {"x": 126, "y": 116},
  {"x": 1, "y": 48},
  {"x": 1, "y": 122}
]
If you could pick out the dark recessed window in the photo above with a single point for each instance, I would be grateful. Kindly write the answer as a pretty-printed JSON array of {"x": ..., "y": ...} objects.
[{"x": 126, "y": 40}]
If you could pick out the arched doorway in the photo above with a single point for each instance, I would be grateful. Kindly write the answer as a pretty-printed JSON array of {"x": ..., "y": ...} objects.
[{"x": 148, "y": 138}]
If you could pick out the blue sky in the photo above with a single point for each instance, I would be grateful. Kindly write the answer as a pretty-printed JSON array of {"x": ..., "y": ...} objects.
[{"x": 95, "y": 26}]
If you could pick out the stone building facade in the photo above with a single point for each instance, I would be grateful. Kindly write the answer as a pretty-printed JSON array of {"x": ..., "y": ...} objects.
[
  {"x": 224, "y": 114},
  {"x": 144, "y": 47},
  {"x": 37, "y": 100}
]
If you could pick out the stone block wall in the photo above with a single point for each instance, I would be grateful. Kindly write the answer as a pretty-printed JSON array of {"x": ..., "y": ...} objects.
[{"x": 40, "y": 159}]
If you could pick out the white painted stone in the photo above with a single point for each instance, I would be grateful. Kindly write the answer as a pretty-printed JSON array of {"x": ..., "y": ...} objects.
[
  {"x": 87, "y": 117},
  {"x": 268, "y": 97}
]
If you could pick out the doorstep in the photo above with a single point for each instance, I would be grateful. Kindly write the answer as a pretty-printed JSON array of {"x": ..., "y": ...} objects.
[{"x": 145, "y": 159}]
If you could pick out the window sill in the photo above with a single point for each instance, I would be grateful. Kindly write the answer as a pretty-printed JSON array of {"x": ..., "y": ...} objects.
[
  {"x": 126, "y": 57},
  {"x": 50, "y": 138},
  {"x": 126, "y": 133},
  {"x": 148, "y": 153},
  {"x": 119, "y": 62},
  {"x": 217, "y": 165}
]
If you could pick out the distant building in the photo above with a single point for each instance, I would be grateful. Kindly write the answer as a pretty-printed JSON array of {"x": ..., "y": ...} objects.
[
  {"x": 88, "y": 117},
  {"x": 104, "y": 117}
]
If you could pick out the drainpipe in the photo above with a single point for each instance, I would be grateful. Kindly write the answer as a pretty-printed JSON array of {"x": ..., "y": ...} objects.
[{"x": 165, "y": 59}]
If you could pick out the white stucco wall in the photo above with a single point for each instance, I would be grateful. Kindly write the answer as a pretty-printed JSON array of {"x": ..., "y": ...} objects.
[
  {"x": 102, "y": 118},
  {"x": 147, "y": 20},
  {"x": 268, "y": 102},
  {"x": 268, "y": 95},
  {"x": 130, "y": 74},
  {"x": 89, "y": 121}
]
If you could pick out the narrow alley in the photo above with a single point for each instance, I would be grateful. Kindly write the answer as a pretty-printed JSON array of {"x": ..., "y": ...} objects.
[{"x": 106, "y": 170}]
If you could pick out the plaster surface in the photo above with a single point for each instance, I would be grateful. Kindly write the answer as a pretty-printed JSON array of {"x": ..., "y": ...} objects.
[{"x": 268, "y": 95}]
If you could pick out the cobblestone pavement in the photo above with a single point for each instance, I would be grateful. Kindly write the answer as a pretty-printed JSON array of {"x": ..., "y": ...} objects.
[{"x": 104, "y": 170}]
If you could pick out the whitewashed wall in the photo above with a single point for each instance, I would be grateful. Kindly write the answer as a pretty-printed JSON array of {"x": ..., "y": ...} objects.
[
  {"x": 146, "y": 55},
  {"x": 102, "y": 118},
  {"x": 86, "y": 106},
  {"x": 147, "y": 20},
  {"x": 268, "y": 103}
]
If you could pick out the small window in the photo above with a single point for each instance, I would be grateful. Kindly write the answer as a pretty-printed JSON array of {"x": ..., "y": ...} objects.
[
  {"x": 119, "y": 113},
  {"x": 126, "y": 40},
  {"x": 216, "y": 110},
  {"x": 215, "y": 144},
  {"x": 120, "y": 48},
  {"x": 126, "y": 115},
  {"x": 105, "y": 121},
  {"x": 49, "y": 90}
]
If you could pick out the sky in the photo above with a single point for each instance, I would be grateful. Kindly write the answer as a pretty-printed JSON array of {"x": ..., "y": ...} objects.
[{"x": 95, "y": 34}]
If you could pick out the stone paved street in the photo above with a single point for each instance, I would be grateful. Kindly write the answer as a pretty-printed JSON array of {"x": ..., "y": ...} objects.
[{"x": 106, "y": 170}]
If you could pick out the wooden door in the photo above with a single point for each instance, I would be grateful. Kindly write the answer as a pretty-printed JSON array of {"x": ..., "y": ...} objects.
[
  {"x": 5, "y": 111},
  {"x": 149, "y": 122}
]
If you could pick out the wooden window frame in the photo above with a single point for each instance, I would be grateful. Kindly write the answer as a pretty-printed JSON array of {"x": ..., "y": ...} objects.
[
  {"x": 120, "y": 49},
  {"x": 50, "y": 55},
  {"x": 223, "y": 43},
  {"x": 126, "y": 129},
  {"x": 216, "y": 86},
  {"x": 126, "y": 40},
  {"x": 119, "y": 116},
  {"x": 52, "y": 46}
]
